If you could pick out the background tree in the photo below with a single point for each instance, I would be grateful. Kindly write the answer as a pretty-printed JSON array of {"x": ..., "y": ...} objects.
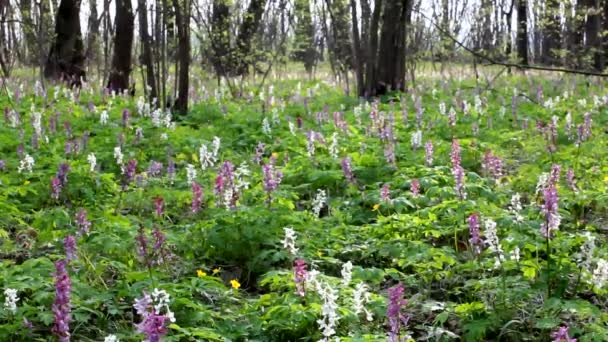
[
  {"x": 66, "y": 57},
  {"x": 123, "y": 43}
]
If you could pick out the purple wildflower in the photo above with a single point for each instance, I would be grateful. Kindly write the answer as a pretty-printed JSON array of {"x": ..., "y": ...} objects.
[
  {"x": 197, "y": 197},
  {"x": 475, "y": 240},
  {"x": 62, "y": 173},
  {"x": 428, "y": 153},
  {"x": 158, "y": 206},
  {"x": 69, "y": 245},
  {"x": 139, "y": 135},
  {"x": 549, "y": 209},
  {"x": 61, "y": 306},
  {"x": 259, "y": 151},
  {"x": 562, "y": 335},
  {"x": 348, "y": 170},
  {"x": 299, "y": 274},
  {"x": 68, "y": 128},
  {"x": 272, "y": 177},
  {"x": 587, "y": 121},
  {"x": 571, "y": 180},
  {"x": 457, "y": 170},
  {"x": 171, "y": 169},
  {"x": 125, "y": 117},
  {"x": 396, "y": 318},
  {"x": 2, "y": 165},
  {"x": 415, "y": 187},
  {"x": 554, "y": 175},
  {"x": 155, "y": 169},
  {"x": 55, "y": 187},
  {"x": 142, "y": 246},
  {"x": 153, "y": 323},
  {"x": 492, "y": 165},
  {"x": 82, "y": 223},
  {"x": 225, "y": 187},
  {"x": 385, "y": 193},
  {"x": 131, "y": 169}
]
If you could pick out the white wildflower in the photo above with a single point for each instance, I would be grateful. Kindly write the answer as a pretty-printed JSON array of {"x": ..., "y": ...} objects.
[
  {"x": 103, "y": 117},
  {"x": 347, "y": 273},
  {"x": 515, "y": 207},
  {"x": 585, "y": 257},
  {"x": 333, "y": 147},
  {"x": 361, "y": 297},
  {"x": 515, "y": 254},
  {"x": 92, "y": 161},
  {"x": 310, "y": 143},
  {"x": 190, "y": 173},
  {"x": 416, "y": 139},
  {"x": 442, "y": 108},
  {"x": 111, "y": 338},
  {"x": 600, "y": 274},
  {"x": 161, "y": 301},
  {"x": 215, "y": 144},
  {"x": 239, "y": 174},
  {"x": 292, "y": 128},
  {"x": 318, "y": 202},
  {"x": 266, "y": 127},
  {"x": 543, "y": 179},
  {"x": 26, "y": 164},
  {"x": 164, "y": 136},
  {"x": 289, "y": 242},
  {"x": 10, "y": 300},
  {"x": 329, "y": 311},
  {"x": 492, "y": 240},
  {"x": 118, "y": 155}
]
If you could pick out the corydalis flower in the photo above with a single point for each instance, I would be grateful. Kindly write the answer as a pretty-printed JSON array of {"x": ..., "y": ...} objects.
[
  {"x": 361, "y": 297},
  {"x": 92, "y": 161},
  {"x": 26, "y": 164},
  {"x": 492, "y": 241},
  {"x": 69, "y": 245},
  {"x": 55, "y": 187},
  {"x": 457, "y": 170},
  {"x": 348, "y": 171},
  {"x": 272, "y": 177},
  {"x": 600, "y": 274},
  {"x": 158, "y": 206},
  {"x": 475, "y": 240},
  {"x": 197, "y": 197},
  {"x": 82, "y": 223},
  {"x": 492, "y": 165},
  {"x": 155, "y": 313},
  {"x": 515, "y": 207},
  {"x": 289, "y": 242},
  {"x": 319, "y": 202},
  {"x": 570, "y": 178},
  {"x": 299, "y": 275},
  {"x": 562, "y": 335},
  {"x": 415, "y": 187},
  {"x": 550, "y": 211},
  {"x": 428, "y": 153},
  {"x": 347, "y": 273},
  {"x": 61, "y": 306},
  {"x": 10, "y": 300},
  {"x": 396, "y": 318},
  {"x": 131, "y": 169},
  {"x": 329, "y": 311},
  {"x": 385, "y": 193}
]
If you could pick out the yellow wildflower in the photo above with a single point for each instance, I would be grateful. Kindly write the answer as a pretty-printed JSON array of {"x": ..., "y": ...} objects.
[
  {"x": 217, "y": 270},
  {"x": 235, "y": 284},
  {"x": 376, "y": 207},
  {"x": 200, "y": 273}
]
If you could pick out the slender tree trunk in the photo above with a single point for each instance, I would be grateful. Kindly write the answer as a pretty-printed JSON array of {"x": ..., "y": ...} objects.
[
  {"x": 522, "y": 31},
  {"x": 123, "y": 44},
  {"x": 146, "y": 56},
  {"x": 92, "y": 53},
  {"x": 370, "y": 78},
  {"x": 66, "y": 57},
  {"x": 357, "y": 57},
  {"x": 391, "y": 56},
  {"x": 247, "y": 31},
  {"x": 182, "y": 18}
]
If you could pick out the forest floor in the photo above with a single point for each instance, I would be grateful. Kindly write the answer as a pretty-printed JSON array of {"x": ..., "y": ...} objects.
[{"x": 299, "y": 213}]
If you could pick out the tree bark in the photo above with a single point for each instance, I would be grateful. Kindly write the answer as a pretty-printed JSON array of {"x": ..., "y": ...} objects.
[
  {"x": 370, "y": 77},
  {"x": 66, "y": 56},
  {"x": 182, "y": 19},
  {"x": 123, "y": 43},
  {"x": 92, "y": 48},
  {"x": 522, "y": 31},
  {"x": 391, "y": 56},
  {"x": 146, "y": 56},
  {"x": 357, "y": 55},
  {"x": 247, "y": 31}
]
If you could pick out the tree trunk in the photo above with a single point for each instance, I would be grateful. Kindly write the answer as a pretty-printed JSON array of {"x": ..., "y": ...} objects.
[
  {"x": 357, "y": 58},
  {"x": 248, "y": 28},
  {"x": 146, "y": 56},
  {"x": 66, "y": 56},
  {"x": 123, "y": 43},
  {"x": 551, "y": 33},
  {"x": 182, "y": 19},
  {"x": 522, "y": 31},
  {"x": 371, "y": 72},
  {"x": 92, "y": 48},
  {"x": 592, "y": 33},
  {"x": 391, "y": 56},
  {"x": 221, "y": 57}
]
